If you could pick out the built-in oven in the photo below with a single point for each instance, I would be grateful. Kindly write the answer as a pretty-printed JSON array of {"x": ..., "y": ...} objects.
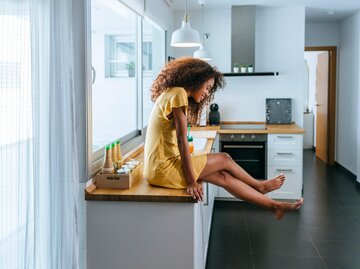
[{"x": 247, "y": 150}]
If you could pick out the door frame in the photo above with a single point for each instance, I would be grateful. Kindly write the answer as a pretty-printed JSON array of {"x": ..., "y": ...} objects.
[{"x": 332, "y": 50}]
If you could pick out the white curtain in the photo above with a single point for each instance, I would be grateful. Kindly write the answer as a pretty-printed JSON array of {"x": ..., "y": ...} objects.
[{"x": 38, "y": 159}]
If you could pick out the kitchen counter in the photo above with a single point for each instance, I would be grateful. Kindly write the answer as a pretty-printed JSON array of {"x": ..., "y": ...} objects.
[
  {"x": 270, "y": 129},
  {"x": 142, "y": 191}
]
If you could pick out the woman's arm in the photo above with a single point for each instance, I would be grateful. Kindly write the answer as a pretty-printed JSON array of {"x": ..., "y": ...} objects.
[{"x": 180, "y": 120}]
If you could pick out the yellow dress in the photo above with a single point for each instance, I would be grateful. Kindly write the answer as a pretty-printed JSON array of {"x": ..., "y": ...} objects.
[{"x": 162, "y": 162}]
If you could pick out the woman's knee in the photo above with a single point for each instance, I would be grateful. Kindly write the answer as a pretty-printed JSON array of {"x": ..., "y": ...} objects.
[
  {"x": 225, "y": 157},
  {"x": 224, "y": 178}
]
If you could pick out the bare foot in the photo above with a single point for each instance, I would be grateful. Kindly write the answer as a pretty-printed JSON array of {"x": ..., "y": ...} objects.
[
  {"x": 273, "y": 184},
  {"x": 280, "y": 210}
]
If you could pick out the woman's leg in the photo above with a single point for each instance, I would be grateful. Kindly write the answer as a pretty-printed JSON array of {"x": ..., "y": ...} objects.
[
  {"x": 243, "y": 191},
  {"x": 222, "y": 161}
]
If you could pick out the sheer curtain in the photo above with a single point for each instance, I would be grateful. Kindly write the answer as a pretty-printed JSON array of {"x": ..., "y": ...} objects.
[{"x": 38, "y": 159}]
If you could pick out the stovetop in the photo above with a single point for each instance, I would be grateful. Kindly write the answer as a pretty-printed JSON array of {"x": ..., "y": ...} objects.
[{"x": 241, "y": 126}]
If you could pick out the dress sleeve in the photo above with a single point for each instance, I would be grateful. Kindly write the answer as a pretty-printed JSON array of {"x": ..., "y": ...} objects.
[{"x": 177, "y": 98}]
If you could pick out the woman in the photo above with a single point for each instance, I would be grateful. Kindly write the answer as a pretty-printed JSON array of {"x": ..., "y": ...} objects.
[{"x": 180, "y": 91}]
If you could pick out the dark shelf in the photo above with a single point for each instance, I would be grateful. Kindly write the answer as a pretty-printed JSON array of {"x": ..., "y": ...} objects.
[{"x": 251, "y": 74}]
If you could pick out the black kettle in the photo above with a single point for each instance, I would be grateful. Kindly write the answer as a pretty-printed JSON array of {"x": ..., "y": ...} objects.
[{"x": 214, "y": 115}]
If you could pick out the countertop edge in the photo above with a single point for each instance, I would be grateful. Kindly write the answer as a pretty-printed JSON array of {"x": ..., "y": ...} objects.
[{"x": 138, "y": 198}]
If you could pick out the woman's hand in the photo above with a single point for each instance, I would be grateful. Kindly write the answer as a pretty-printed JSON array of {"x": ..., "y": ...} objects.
[{"x": 195, "y": 190}]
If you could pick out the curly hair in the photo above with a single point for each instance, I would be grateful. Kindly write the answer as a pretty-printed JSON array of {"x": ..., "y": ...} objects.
[{"x": 189, "y": 73}]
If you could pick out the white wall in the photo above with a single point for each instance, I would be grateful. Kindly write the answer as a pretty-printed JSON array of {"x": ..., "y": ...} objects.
[
  {"x": 278, "y": 48},
  {"x": 348, "y": 139},
  {"x": 322, "y": 34}
]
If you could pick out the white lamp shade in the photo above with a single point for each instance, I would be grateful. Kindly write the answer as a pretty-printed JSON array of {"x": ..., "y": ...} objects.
[
  {"x": 185, "y": 36},
  {"x": 202, "y": 53}
]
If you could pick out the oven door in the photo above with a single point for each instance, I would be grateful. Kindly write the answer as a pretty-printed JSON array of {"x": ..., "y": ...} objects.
[{"x": 251, "y": 156}]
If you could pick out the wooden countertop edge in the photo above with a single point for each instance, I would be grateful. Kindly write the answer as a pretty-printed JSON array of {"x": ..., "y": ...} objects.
[{"x": 139, "y": 198}]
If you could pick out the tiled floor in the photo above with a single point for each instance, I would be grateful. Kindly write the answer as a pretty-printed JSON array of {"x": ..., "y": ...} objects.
[{"x": 325, "y": 233}]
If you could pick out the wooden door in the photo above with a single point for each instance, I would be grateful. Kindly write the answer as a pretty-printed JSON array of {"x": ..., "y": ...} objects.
[{"x": 322, "y": 78}]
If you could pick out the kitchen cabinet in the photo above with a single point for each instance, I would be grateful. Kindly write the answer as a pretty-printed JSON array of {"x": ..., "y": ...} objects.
[
  {"x": 148, "y": 235},
  {"x": 285, "y": 155}
]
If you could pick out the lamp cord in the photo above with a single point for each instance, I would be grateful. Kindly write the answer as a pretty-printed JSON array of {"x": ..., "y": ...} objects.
[
  {"x": 202, "y": 24},
  {"x": 186, "y": 17}
]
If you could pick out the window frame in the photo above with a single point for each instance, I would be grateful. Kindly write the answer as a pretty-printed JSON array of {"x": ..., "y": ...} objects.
[{"x": 131, "y": 141}]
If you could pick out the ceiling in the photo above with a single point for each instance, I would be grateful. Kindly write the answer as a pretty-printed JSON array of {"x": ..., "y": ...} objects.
[{"x": 316, "y": 10}]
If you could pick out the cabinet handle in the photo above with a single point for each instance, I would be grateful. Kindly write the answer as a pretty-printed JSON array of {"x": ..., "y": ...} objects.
[
  {"x": 207, "y": 194},
  {"x": 243, "y": 147},
  {"x": 284, "y": 170},
  {"x": 284, "y": 136},
  {"x": 284, "y": 153}
]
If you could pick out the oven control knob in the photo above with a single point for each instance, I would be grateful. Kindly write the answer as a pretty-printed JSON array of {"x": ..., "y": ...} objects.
[
  {"x": 242, "y": 136},
  {"x": 232, "y": 137},
  {"x": 253, "y": 137}
]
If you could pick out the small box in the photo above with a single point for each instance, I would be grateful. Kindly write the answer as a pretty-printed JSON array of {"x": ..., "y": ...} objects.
[
  {"x": 119, "y": 181},
  {"x": 278, "y": 111}
]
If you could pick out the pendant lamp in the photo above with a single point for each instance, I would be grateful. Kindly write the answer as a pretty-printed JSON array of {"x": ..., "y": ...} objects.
[
  {"x": 202, "y": 53},
  {"x": 185, "y": 36}
]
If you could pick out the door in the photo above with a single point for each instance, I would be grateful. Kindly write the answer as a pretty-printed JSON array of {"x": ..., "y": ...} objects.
[{"x": 322, "y": 107}]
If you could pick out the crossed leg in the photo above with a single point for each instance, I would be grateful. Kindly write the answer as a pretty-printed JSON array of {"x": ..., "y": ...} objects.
[
  {"x": 223, "y": 162},
  {"x": 244, "y": 188}
]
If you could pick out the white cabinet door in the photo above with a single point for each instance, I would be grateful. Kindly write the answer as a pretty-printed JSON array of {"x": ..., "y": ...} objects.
[
  {"x": 292, "y": 188},
  {"x": 284, "y": 141},
  {"x": 285, "y": 155}
]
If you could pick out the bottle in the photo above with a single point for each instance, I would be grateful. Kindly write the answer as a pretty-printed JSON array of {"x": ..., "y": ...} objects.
[
  {"x": 191, "y": 144},
  {"x": 203, "y": 117},
  {"x": 119, "y": 158},
  {"x": 108, "y": 167},
  {"x": 113, "y": 156}
]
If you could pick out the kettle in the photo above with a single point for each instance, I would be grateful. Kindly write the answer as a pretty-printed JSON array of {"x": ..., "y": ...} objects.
[{"x": 214, "y": 115}]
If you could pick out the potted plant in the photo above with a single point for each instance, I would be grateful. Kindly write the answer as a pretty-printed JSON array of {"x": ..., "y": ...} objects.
[
  {"x": 250, "y": 68},
  {"x": 131, "y": 69},
  {"x": 236, "y": 68},
  {"x": 243, "y": 68}
]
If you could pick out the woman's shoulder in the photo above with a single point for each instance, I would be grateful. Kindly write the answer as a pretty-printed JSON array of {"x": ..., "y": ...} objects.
[{"x": 176, "y": 90}]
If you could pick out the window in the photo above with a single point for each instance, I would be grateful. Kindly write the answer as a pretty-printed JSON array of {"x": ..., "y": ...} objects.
[
  {"x": 152, "y": 60},
  {"x": 121, "y": 43},
  {"x": 120, "y": 59},
  {"x": 15, "y": 131}
]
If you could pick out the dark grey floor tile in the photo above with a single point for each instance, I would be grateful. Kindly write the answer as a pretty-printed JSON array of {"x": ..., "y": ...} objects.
[
  {"x": 351, "y": 210},
  {"x": 326, "y": 220},
  {"x": 287, "y": 262},
  {"x": 229, "y": 239},
  {"x": 337, "y": 248},
  {"x": 334, "y": 232},
  {"x": 235, "y": 216},
  {"x": 348, "y": 200},
  {"x": 229, "y": 261},
  {"x": 323, "y": 210},
  {"x": 342, "y": 262},
  {"x": 269, "y": 233},
  {"x": 284, "y": 247}
]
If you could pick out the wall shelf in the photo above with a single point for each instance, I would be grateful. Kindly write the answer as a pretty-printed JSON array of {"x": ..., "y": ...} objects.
[{"x": 251, "y": 74}]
